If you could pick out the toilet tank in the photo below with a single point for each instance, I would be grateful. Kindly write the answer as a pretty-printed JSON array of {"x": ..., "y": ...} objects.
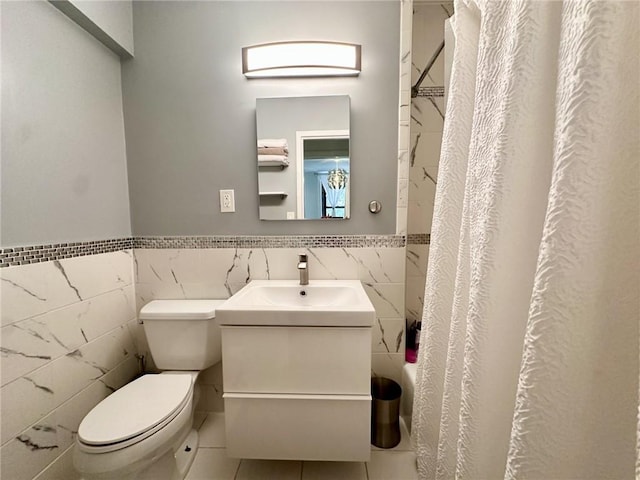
[{"x": 183, "y": 334}]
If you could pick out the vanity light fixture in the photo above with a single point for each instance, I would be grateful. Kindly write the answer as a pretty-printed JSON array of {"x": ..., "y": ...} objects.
[{"x": 301, "y": 59}]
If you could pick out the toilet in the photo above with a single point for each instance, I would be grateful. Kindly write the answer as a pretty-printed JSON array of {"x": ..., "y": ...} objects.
[{"x": 145, "y": 429}]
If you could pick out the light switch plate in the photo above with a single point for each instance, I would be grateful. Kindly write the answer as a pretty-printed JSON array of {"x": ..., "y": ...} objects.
[{"x": 227, "y": 201}]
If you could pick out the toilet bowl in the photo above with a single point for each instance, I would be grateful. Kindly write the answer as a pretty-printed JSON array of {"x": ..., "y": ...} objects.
[
  {"x": 144, "y": 430},
  {"x": 126, "y": 432}
]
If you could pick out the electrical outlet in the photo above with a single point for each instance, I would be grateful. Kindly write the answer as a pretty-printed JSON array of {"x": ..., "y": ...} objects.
[
  {"x": 291, "y": 215},
  {"x": 227, "y": 201}
]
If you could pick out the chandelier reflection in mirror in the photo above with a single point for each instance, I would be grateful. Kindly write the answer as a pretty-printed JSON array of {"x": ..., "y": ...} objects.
[{"x": 337, "y": 178}]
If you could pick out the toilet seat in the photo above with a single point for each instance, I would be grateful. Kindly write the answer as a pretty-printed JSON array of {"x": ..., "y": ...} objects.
[{"x": 135, "y": 412}]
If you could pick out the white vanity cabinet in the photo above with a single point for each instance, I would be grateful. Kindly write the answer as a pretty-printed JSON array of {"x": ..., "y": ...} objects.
[{"x": 297, "y": 392}]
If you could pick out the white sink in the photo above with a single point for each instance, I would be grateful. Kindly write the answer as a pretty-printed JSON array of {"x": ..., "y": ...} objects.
[{"x": 342, "y": 303}]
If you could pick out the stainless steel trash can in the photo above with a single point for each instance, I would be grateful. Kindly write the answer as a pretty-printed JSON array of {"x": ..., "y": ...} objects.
[{"x": 385, "y": 412}]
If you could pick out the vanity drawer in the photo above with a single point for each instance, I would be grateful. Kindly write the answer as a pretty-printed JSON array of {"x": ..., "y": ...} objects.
[
  {"x": 298, "y": 427},
  {"x": 307, "y": 360}
]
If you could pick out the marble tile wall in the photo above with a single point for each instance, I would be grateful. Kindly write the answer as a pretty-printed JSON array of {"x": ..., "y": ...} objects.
[
  {"x": 426, "y": 126},
  {"x": 220, "y": 272},
  {"x": 70, "y": 337},
  {"x": 66, "y": 342}
]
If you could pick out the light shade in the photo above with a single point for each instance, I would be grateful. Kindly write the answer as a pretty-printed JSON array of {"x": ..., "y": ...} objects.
[{"x": 301, "y": 59}]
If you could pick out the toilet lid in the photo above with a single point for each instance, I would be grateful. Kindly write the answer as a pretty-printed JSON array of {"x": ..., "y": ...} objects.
[
  {"x": 134, "y": 409},
  {"x": 180, "y": 309}
]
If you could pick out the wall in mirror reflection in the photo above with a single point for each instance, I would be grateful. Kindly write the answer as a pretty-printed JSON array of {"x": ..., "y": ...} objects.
[{"x": 304, "y": 169}]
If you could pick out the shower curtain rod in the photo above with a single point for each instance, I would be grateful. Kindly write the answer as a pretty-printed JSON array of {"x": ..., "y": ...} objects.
[{"x": 416, "y": 87}]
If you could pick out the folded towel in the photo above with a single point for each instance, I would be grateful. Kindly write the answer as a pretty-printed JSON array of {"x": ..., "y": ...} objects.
[
  {"x": 272, "y": 142},
  {"x": 273, "y": 151},
  {"x": 273, "y": 158}
]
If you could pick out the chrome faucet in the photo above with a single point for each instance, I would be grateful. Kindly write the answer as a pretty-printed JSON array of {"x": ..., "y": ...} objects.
[{"x": 303, "y": 269}]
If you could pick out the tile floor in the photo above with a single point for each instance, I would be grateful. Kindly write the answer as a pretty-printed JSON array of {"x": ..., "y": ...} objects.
[{"x": 212, "y": 463}]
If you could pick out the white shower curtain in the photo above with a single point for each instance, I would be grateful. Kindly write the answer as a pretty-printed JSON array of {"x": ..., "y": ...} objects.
[{"x": 529, "y": 360}]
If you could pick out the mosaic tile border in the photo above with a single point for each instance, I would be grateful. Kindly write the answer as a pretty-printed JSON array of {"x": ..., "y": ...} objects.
[
  {"x": 419, "y": 239},
  {"x": 56, "y": 251},
  {"x": 14, "y": 256},
  {"x": 273, "y": 241}
]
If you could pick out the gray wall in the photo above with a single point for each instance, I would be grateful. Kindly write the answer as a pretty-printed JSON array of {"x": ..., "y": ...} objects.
[
  {"x": 63, "y": 171},
  {"x": 190, "y": 113}
]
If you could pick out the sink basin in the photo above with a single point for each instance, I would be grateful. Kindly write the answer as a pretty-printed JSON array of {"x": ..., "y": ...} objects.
[{"x": 342, "y": 303}]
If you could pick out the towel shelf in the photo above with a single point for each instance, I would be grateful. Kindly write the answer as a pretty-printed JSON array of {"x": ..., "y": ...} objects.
[
  {"x": 282, "y": 195},
  {"x": 273, "y": 163}
]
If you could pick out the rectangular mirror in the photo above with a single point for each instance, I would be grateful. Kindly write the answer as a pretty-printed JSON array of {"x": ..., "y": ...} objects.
[{"x": 303, "y": 157}]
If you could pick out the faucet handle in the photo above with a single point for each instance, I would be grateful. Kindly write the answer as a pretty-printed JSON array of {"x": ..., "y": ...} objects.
[
  {"x": 303, "y": 269},
  {"x": 302, "y": 261}
]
